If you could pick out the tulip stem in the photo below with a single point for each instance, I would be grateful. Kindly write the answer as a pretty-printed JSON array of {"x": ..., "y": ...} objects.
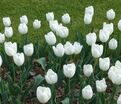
[{"x": 69, "y": 91}]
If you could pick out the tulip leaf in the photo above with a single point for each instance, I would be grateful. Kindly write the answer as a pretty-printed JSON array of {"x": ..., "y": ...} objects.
[
  {"x": 65, "y": 101},
  {"x": 42, "y": 62}
]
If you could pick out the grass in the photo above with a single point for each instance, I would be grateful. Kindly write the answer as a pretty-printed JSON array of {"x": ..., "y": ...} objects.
[{"x": 38, "y": 8}]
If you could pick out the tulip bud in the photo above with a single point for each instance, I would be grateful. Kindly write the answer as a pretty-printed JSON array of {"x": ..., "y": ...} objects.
[
  {"x": 66, "y": 18},
  {"x": 50, "y": 16},
  {"x": 50, "y": 38},
  {"x": 8, "y": 32},
  {"x": 101, "y": 85},
  {"x": 113, "y": 44},
  {"x": 119, "y": 99},
  {"x": 97, "y": 50},
  {"x": 104, "y": 63},
  {"x": 118, "y": 64},
  {"x": 87, "y": 92},
  {"x": 6, "y": 21},
  {"x": 51, "y": 77},
  {"x": 91, "y": 38},
  {"x": 87, "y": 70},
  {"x": 36, "y": 24},
  {"x": 77, "y": 47},
  {"x": 10, "y": 48},
  {"x": 22, "y": 28},
  {"x": 43, "y": 94},
  {"x": 53, "y": 25},
  {"x": 87, "y": 19},
  {"x": 28, "y": 49},
  {"x": 24, "y": 19},
  {"x": 110, "y": 14},
  {"x": 1, "y": 61},
  {"x": 119, "y": 25},
  {"x": 58, "y": 50},
  {"x": 18, "y": 59},
  {"x": 69, "y": 70},
  {"x": 69, "y": 48},
  {"x": 2, "y": 38}
]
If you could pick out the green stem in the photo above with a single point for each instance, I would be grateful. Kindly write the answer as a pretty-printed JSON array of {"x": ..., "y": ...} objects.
[{"x": 69, "y": 91}]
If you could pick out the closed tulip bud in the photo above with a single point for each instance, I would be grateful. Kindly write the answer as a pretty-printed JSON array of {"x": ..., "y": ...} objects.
[
  {"x": 97, "y": 50},
  {"x": 69, "y": 70},
  {"x": 50, "y": 16},
  {"x": 2, "y": 38},
  {"x": 87, "y": 70},
  {"x": 113, "y": 44},
  {"x": 18, "y": 59},
  {"x": 66, "y": 18},
  {"x": 62, "y": 31},
  {"x": 69, "y": 48},
  {"x": 43, "y": 94},
  {"x": 104, "y": 63},
  {"x": 53, "y": 25},
  {"x": 77, "y": 47},
  {"x": 51, "y": 77},
  {"x": 91, "y": 38},
  {"x": 118, "y": 64},
  {"x": 28, "y": 49},
  {"x": 36, "y": 24},
  {"x": 58, "y": 50},
  {"x": 114, "y": 74},
  {"x": 101, "y": 85},
  {"x": 50, "y": 38},
  {"x": 104, "y": 35},
  {"x": 119, "y": 25},
  {"x": 24, "y": 19},
  {"x": 89, "y": 10},
  {"x": 1, "y": 61},
  {"x": 87, "y": 92},
  {"x": 6, "y": 21},
  {"x": 8, "y": 32},
  {"x": 10, "y": 48},
  {"x": 87, "y": 19},
  {"x": 110, "y": 14},
  {"x": 22, "y": 28},
  {"x": 119, "y": 99}
]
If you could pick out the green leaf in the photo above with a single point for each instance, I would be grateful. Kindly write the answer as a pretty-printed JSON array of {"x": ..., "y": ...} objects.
[
  {"x": 42, "y": 62},
  {"x": 65, "y": 101}
]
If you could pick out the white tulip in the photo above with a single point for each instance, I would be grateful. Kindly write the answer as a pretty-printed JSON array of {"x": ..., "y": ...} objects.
[
  {"x": 24, "y": 19},
  {"x": 36, "y": 24},
  {"x": 1, "y": 61},
  {"x": 50, "y": 38},
  {"x": 18, "y": 59},
  {"x": 118, "y": 64},
  {"x": 6, "y": 21},
  {"x": 28, "y": 49},
  {"x": 51, "y": 77},
  {"x": 69, "y": 70},
  {"x": 119, "y": 25},
  {"x": 53, "y": 25},
  {"x": 66, "y": 18},
  {"x": 58, "y": 50},
  {"x": 22, "y": 28},
  {"x": 10, "y": 48},
  {"x": 69, "y": 48},
  {"x": 8, "y": 32},
  {"x": 110, "y": 14},
  {"x": 87, "y": 19},
  {"x": 101, "y": 85},
  {"x": 43, "y": 94},
  {"x": 87, "y": 70},
  {"x": 87, "y": 92},
  {"x": 50, "y": 16},
  {"x": 119, "y": 99},
  {"x": 89, "y": 10},
  {"x": 77, "y": 47},
  {"x": 91, "y": 38},
  {"x": 113, "y": 43},
  {"x": 97, "y": 50},
  {"x": 104, "y": 63},
  {"x": 2, "y": 38}
]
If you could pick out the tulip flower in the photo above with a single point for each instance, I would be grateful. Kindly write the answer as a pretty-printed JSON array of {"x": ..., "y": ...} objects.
[
  {"x": 18, "y": 59},
  {"x": 87, "y": 92},
  {"x": 36, "y": 24},
  {"x": 10, "y": 48},
  {"x": 87, "y": 70},
  {"x": 58, "y": 50},
  {"x": 119, "y": 25},
  {"x": 22, "y": 28},
  {"x": 110, "y": 14},
  {"x": 28, "y": 49},
  {"x": 2, "y": 38},
  {"x": 101, "y": 85},
  {"x": 1, "y": 61},
  {"x": 77, "y": 47},
  {"x": 69, "y": 70},
  {"x": 118, "y": 64},
  {"x": 6, "y": 21},
  {"x": 50, "y": 16},
  {"x": 53, "y": 25},
  {"x": 51, "y": 77},
  {"x": 8, "y": 32},
  {"x": 119, "y": 99},
  {"x": 66, "y": 18},
  {"x": 24, "y": 19},
  {"x": 50, "y": 38},
  {"x": 113, "y": 44},
  {"x": 43, "y": 94}
]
